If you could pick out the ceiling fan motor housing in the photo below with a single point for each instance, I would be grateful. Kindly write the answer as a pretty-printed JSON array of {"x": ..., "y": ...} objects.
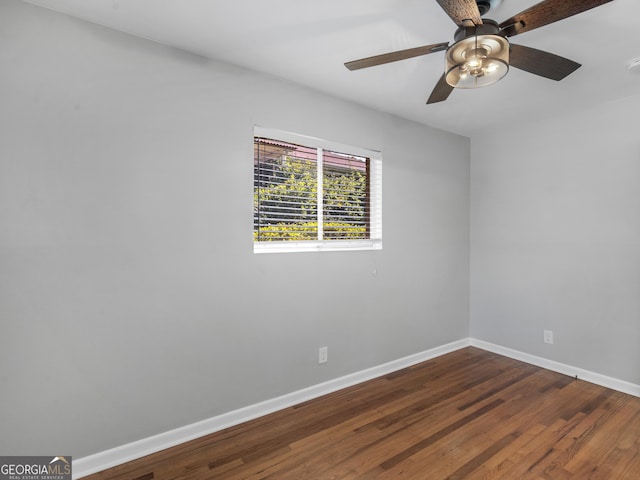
[{"x": 488, "y": 27}]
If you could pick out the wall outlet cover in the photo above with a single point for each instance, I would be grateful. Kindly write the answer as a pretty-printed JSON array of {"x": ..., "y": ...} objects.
[{"x": 323, "y": 355}]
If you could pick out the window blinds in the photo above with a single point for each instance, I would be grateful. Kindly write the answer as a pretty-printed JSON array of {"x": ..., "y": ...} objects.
[{"x": 311, "y": 194}]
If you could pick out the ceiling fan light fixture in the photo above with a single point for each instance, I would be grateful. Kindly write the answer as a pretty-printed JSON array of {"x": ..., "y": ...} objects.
[{"x": 477, "y": 61}]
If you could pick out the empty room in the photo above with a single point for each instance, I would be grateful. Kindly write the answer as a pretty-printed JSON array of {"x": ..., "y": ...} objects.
[{"x": 373, "y": 239}]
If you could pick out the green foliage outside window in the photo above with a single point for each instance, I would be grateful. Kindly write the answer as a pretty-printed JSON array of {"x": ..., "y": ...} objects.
[{"x": 285, "y": 201}]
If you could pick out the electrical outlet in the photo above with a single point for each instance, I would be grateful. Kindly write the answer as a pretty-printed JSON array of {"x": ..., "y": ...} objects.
[
  {"x": 548, "y": 336},
  {"x": 323, "y": 355}
]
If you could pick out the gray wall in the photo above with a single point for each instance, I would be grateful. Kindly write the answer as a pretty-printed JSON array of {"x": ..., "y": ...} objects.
[
  {"x": 555, "y": 238},
  {"x": 130, "y": 300}
]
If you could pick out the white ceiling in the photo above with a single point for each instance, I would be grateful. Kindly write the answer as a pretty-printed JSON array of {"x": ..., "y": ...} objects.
[{"x": 308, "y": 41}]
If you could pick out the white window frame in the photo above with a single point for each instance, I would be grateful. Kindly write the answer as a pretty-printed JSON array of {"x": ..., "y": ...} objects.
[{"x": 374, "y": 242}]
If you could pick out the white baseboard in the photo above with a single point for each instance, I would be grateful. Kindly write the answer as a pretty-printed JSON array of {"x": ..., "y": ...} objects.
[
  {"x": 116, "y": 456},
  {"x": 592, "y": 377}
]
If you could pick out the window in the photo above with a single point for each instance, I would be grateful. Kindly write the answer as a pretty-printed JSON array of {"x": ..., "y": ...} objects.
[{"x": 310, "y": 195}]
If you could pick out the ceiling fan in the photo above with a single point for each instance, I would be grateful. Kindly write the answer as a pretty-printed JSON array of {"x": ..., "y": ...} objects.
[{"x": 482, "y": 54}]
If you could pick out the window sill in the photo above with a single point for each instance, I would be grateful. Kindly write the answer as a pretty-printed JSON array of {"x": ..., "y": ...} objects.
[{"x": 317, "y": 246}]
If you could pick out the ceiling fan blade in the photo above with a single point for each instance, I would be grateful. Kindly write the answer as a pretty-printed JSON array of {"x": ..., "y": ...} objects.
[
  {"x": 541, "y": 63},
  {"x": 441, "y": 91},
  {"x": 395, "y": 56},
  {"x": 546, "y": 12},
  {"x": 461, "y": 10}
]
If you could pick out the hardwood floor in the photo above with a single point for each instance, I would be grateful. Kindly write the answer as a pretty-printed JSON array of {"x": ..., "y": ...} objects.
[{"x": 469, "y": 415}]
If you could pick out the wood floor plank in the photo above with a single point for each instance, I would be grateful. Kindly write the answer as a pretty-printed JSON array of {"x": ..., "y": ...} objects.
[{"x": 470, "y": 415}]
